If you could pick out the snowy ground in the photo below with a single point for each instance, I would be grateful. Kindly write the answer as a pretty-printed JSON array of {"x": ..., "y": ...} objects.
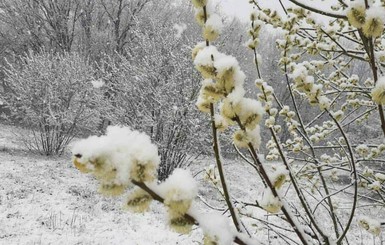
[{"x": 47, "y": 201}]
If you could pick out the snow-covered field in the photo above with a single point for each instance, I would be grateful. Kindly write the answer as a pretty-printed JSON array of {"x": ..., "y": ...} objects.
[{"x": 47, "y": 201}]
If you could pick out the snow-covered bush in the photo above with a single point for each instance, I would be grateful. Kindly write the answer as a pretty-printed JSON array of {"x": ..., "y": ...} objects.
[
  {"x": 153, "y": 90},
  {"x": 300, "y": 192},
  {"x": 52, "y": 95}
]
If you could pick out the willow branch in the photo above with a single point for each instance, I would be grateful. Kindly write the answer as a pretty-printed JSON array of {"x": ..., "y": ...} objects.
[{"x": 189, "y": 217}]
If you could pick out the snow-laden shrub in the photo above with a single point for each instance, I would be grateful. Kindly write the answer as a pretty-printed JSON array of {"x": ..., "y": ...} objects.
[
  {"x": 53, "y": 96},
  {"x": 153, "y": 90}
]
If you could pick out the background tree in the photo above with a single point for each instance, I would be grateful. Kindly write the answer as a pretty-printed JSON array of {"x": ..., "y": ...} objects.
[
  {"x": 48, "y": 24},
  {"x": 122, "y": 16}
]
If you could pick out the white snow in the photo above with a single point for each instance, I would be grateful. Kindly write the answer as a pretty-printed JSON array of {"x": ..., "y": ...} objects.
[
  {"x": 47, "y": 201},
  {"x": 269, "y": 202},
  {"x": 237, "y": 95},
  {"x": 217, "y": 227},
  {"x": 225, "y": 63},
  {"x": 215, "y": 22},
  {"x": 204, "y": 56},
  {"x": 97, "y": 83},
  {"x": 247, "y": 107},
  {"x": 120, "y": 148},
  {"x": 180, "y": 184},
  {"x": 376, "y": 12},
  {"x": 180, "y": 28}
]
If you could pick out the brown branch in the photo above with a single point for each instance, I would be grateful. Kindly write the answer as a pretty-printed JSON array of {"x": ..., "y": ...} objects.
[
  {"x": 220, "y": 169},
  {"x": 355, "y": 175}
]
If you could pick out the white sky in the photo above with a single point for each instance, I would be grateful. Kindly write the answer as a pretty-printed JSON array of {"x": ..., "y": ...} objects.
[
  {"x": 239, "y": 8},
  {"x": 242, "y": 8}
]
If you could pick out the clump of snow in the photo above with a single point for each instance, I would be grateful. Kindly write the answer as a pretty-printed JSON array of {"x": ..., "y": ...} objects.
[
  {"x": 279, "y": 176},
  {"x": 97, "y": 83},
  {"x": 237, "y": 94},
  {"x": 254, "y": 136},
  {"x": 178, "y": 191},
  {"x": 116, "y": 156},
  {"x": 250, "y": 112},
  {"x": 269, "y": 202},
  {"x": 225, "y": 63},
  {"x": 378, "y": 92},
  {"x": 220, "y": 122},
  {"x": 376, "y": 12},
  {"x": 204, "y": 56},
  {"x": 216, "y": 227},
  {"x": 204, "y": 61},
  {"x": 213, "y": 27},
  {"x": 299, "y": 71},
  {"x": 180, "y": 28},
  {"x": 203, "y": 104},
  {"x": 198, "y": 47},
  {"x": 228, "y": 73},
  {"x": 180, "y": 185}
]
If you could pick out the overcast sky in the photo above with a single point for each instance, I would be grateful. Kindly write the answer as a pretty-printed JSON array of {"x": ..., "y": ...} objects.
[
  {"x": 242, "y": 8},
  {"x": 239, "y": 8}
]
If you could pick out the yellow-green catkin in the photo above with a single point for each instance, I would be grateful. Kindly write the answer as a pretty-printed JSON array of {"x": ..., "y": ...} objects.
[
  {"x": 199, "y": 3},
  {"x": 181, "y": 224},
  {"x": 111, "y": 189},
  {"x": 138, "y": 201},
  {"x": 80, "y": 166},
  {"x": 207, "y": 240},
  {"x": 373, "y": 27},
  {"x": 143, "y": 172},
  {"x": 279, "y": 180},
  {"x": 356, "y": 16}
]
